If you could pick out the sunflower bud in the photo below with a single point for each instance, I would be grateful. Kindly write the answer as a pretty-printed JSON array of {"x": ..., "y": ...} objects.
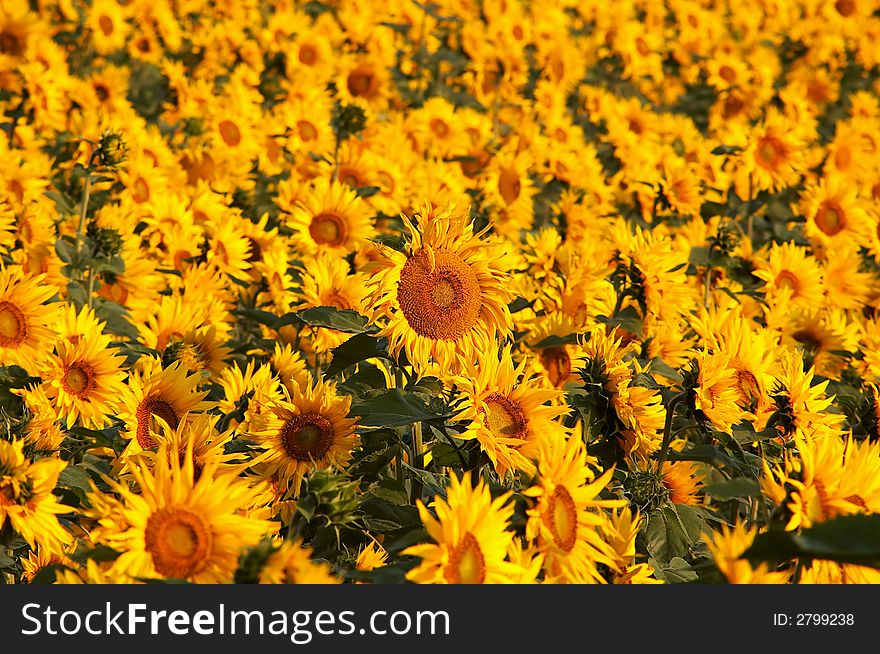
[
  {"x": 645, "y": 490},
  {"x": 112, "y": 150}
]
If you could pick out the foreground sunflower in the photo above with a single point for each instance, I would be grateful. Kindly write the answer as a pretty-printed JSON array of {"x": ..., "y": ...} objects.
[
  {"x": 167, "y": 393},
  {"x": 25, "y": 318},
  {"x": 566, "y": 522},
  {"x": 85, "y": 381},
  {"x": 727, "y": 546},
  {"x": 26, "y": 499},
  {"x": 310, "y": 431},
  {"x": 440, "y": 295},
  {"x": 470, "y": 537},
  {"x": 292, "y": 563},
  {"x": 177, "y": 528},
  {"x": 509, "y": 413}
]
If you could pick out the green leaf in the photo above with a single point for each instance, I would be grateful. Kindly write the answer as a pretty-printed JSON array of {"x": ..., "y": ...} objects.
[
  {"x": 359, "y": 347},
  {"x": 393, "y": 408},
  {"x": 342, "y": 320},
  {"x": 847, "y": 539},
  {"x": 74, "y": 477},
  {"x": 738, "y": 487},
  {"x": 671, "y": 531},
  {"x": 678, "y": 571}
]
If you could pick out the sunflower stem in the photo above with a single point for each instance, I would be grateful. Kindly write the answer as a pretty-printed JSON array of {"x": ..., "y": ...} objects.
[{"x": 667, "y": 428}]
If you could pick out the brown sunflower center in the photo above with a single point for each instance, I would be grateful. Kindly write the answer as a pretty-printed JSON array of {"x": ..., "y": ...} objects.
[
  {"x": 466, "y": 562},
  {"x": 106, "y": 25},
  {"x": 509, "y": 185},
  {"x": 362, "y": 82},
  {"x": 11, "y": 44},
  {"x": 13, "y": 325},
  {"x": 328, "y": 228},
  {"x": 229, "y": 132},
  {"x": 830, "y": 218},
  {"x": 769, "y": 153},
  {"x": 504, "y": 417},
  {"x": 443, "y": 303},
  {"x": 727, "y": 73},
  {"x": 307, "y": 131},
  {"x": 308, "y": 55},
  {"x": 439, "y": 127},
  {"x": 140, "y": 190},
  {"x": 733, "y": 105},
  {"x": 787, "y": 279},
  {"x": 79, "y": 379},
  {"x": 149, "y": 407},
  {"x": 307, "y": 437},
  {"x": 562, "y": 519},
  {"x": 178, "y": 541},
  {"x": 845, "y": 8},
  {"x": 557, "y": 363}
]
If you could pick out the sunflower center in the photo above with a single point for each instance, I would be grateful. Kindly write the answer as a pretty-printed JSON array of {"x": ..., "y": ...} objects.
[
  {"x": 443, "y": 303},
  {"x": 328, "y": 228},
  {"x": 13, "y": 325},
  {"x": 307, "y": 131},
  {"x": 466, "y": 562},
  {"x": 504, "y": 417},
  {"x": 509, "y": 185},
  {"x": 149, "y": 407},
  {"x": 307, "y": 55},
  {"x": 307, "y": 437},
  {"x": 106, "y": 25},
  {"x": 557, "y": 363},
  {"x": 178, "y": 541},
  {"x": 749, "y": 390},
  {"x": 843, "y": 158},
  {"x": 229, "y": 132},
  {"x": 642, "y": 47},
  {"x": 787, "y": 279},
  {"x": 562, "y": 519},
  {"x": 79, "y": 379},
  {"x": 733, "y": 105},
  {"x": 845, "y": 8},
  {"x": 10, "y": 44},
  {"x": 439, "y": 127},
  {"x": 830, "y": 218},
  {"x": 361, "y": 83},
  {"x": 141, "y": 190},
  {"x": 769, "y": 153},
  {"x": 727, "y": 73}
]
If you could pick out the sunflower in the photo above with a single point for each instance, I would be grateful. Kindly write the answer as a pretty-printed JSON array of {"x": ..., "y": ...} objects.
[
  {"x": 773, "y": 158},
  {"x": 109, "y": 26},
  {"x": 39, "y": 560},
  {"x": 790, "y": 274},
  {"x": 566, "y": 522},
  {"x": 291, "y": 563},
  {"x": 637, "y": 412},
  {"x": 557, "y": 363},
  {"x": 84, "y": 380},
  {"x": 26, "y": 499},
  {"x": 326, "y": 281},
  {"x": 470, "y": 537},
  {"x": 309, "y": 431},
  {"x": 800, "y": 407},
  {"x": 831, "y": 572},
  {"x": 43, "y": 430},
  {"x": 197, "y": 439},
  {"x": 177, "y": 527},
  {"x": 716, "y": 392},
  {"x": 829, "y": 476},
  {"x": 683, "y": 480},
  {"x": 371, "y": 557},
  {"x": 253, "y": 388},
  {"x": 289, "y": 366},
  {"x": 507, "y": 412},
  {"x": 728, "y": 545},
  {"x": 167, "y": 393},
  {"x": 442, "y": 294},
  {"x": 834, "y": 213},
  {"x": 330, "y": 218},
  {"x": 623, "y": 528},
  {"x": 25, "y": 318}
]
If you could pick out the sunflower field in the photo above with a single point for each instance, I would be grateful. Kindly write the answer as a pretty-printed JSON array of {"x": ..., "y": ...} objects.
[{"x": 462, "y": 291}]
